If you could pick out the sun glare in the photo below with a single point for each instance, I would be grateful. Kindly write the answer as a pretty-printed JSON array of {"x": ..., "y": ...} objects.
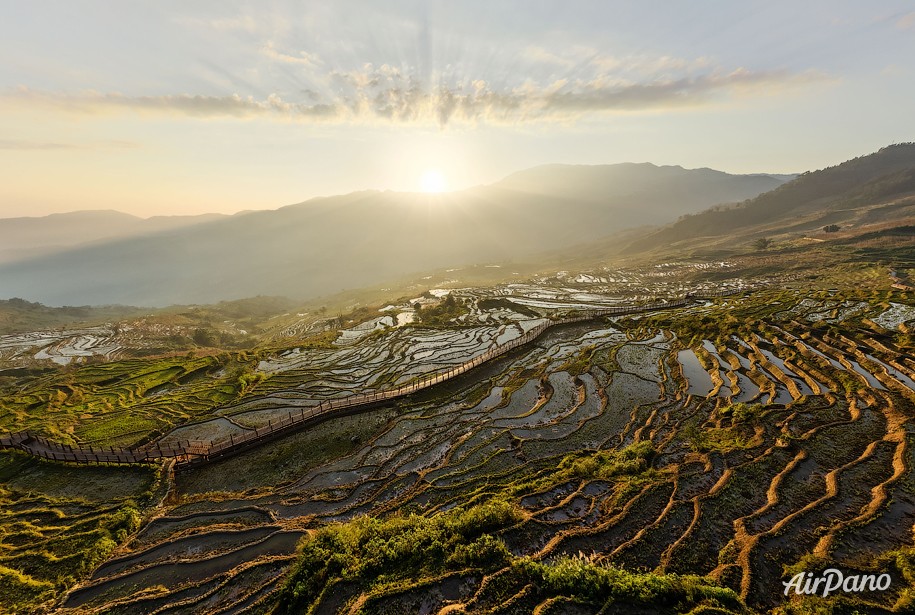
[{"x": 433, "y": 181}]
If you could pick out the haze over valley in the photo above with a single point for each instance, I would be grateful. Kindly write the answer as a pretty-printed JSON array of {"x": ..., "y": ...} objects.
[{"x": 325, "y": 245}]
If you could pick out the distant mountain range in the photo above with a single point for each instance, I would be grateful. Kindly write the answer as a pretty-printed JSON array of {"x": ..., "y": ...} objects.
[
  {"x": 325, "y": 245},
  {"x": 23, "y": 238}
]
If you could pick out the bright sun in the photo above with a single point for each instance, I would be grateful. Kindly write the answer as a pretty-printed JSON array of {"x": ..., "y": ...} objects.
[{"x": 433, "y": 181}]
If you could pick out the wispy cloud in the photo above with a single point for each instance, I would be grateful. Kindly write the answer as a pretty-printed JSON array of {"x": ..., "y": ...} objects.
[
  {"x": 23, "y": 145},
  {"x": 373, "y": 94},
  {"x": 238, "y": 23},
  {"x": 906, "y": 22},
  {"x": 26, "y": 145},
  {"x": 303, "y": 58}
]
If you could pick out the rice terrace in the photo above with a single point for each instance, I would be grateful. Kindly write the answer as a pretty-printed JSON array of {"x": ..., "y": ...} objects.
[
  {"x": 702, "y": 437},
  {"x": 457, "y": 308}
]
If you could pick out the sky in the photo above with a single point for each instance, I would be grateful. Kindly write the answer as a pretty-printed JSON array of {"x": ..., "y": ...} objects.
[{"x": 170, "y": 107}]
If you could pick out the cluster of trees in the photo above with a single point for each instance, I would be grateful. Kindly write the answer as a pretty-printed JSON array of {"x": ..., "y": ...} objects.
[
  {"x": 442, "y": 314},
  {"x": 209, "y": 337}
]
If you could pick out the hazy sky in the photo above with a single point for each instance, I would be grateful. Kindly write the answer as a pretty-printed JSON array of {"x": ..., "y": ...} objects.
[{"x": 167, "y": 107}]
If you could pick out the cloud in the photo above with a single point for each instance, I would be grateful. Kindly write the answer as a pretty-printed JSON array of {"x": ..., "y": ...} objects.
[
  {"x": 91, "y": 102},
  {"x": 893, "y": 71},
  {"x": 26, "y": 145},
  {"x": 388, "y": 94},
  {"x": 541, "y": 55},
  {"x": 304, "y": 58},
  {"x": 240, "y": 23},
  {"x": 906, "y": 22},
  {"x": 22, "y": 145}
]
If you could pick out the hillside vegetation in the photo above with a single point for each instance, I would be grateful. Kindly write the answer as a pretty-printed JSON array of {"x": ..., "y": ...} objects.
[{"x": 828, "y": 196}]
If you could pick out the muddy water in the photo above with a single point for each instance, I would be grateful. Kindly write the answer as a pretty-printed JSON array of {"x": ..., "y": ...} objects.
[
  {"x": 748, "y": 389},
  {"x": 871, "y": 380},
  {"x": 832, "y": 361},
  {"x": 802, "y": 386},
  {"x": 184, "y": 548},
  {"x": 700, "y": 383},
  {"x": 175, "y": 573},
  {"x": 782, "y": 396},
  {"x": 710, "y": 348},
  {"x": 867, "y": 376},
  {"x": 744, "y": 362},
  {"x": 725, "y": 390},
  {"x": 895, "y": 373}
]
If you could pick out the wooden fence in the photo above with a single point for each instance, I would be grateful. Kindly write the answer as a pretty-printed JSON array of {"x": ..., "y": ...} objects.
[{"x": 194, "y": 452}]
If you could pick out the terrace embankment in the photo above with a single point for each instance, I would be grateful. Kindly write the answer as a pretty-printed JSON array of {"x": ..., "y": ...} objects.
[
  {"x": 590, "y": 441},
  {"x": 197, "y": 451}
]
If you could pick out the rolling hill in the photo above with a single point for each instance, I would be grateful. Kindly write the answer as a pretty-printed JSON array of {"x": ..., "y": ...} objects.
[{"x": 868, "y": 193}]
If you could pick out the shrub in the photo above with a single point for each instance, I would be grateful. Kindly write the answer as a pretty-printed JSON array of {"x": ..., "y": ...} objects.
[
  {"x": 633, "y": 459},
  {"x": 370, "y": 550},
  {"x": 743, "y": 413}
]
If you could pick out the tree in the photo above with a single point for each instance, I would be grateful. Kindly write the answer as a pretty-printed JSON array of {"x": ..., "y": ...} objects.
[
  {"x": 762, "y": 243},
  {"x": 831, "y": 228},
  {"x": 205, "y": 337}
]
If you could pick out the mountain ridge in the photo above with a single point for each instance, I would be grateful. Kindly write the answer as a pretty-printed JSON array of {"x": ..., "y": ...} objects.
[
  {"x": 815, "y": 196},
  {"x": 327, "y": 244},
  {"x": 23, "y": 237}
]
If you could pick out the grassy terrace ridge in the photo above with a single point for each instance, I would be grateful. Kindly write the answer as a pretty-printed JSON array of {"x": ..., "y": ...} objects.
[
  {"x": 122, "y": 403},
  {"x": 58, "y": 522}
]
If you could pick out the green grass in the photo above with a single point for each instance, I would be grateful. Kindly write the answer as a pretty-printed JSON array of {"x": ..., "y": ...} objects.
[
  {"x": 717, "y": 439},
  {"x": 579, "y": 363},
  {"x": 607, "y": 585},
  {"x": 374, "y": 552},
  {"x": 385, "y": 556},
  {"x": 125, "y": 402},
  {"x": 631, "y": 460},
  {"x": 287, "y": 459},
  {"x": 58, "y": 522},
  {"x": 743, "y": 413},
  {"x": 899, "y": 564}
]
